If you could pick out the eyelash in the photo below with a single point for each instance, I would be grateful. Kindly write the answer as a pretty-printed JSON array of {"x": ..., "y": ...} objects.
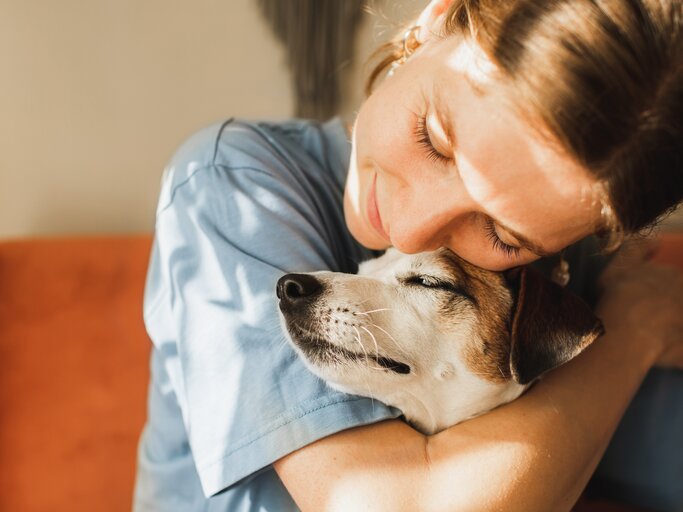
[
  {"x": 435, "y": 283},
  {"x": 497, "y": 243},
  {"x": 423, "y": 139},
  {"x": 428, "y": 282}
]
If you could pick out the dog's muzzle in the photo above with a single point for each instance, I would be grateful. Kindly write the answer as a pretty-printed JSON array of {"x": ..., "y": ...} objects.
[{"x": 297, "y": 293}]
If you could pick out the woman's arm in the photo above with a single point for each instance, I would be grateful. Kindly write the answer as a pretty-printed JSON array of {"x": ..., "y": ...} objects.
[{"x": 536, "y": 453}]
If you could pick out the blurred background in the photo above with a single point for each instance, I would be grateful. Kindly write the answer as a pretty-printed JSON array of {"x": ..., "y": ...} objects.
[{"x": 96, "y": 95}]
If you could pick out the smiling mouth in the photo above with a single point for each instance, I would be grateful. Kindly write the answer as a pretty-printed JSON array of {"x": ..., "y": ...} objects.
[
  {"x": 318, "y": 350},
  {"x": 373, "y": 211}
]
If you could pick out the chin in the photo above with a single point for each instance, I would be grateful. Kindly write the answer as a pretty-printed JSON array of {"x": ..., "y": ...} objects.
[
  {"x": 370, "y": 242},
  {"x": 366, "y": 237}
]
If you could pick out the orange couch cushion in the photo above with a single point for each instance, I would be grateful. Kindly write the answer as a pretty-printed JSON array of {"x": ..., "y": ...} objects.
[{"x": 73, "y": 372}]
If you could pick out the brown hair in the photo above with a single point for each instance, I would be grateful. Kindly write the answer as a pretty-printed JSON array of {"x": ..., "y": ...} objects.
[{"x": 606, "y": 79}]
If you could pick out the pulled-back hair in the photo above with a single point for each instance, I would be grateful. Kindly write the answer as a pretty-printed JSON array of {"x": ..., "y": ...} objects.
[{"x": 605, "y": 77}]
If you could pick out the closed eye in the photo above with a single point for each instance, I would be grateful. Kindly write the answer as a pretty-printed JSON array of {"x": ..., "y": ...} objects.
[
  {"x": 508, "y": 250},
  {"x": 425, "y": 280},
  {"x": 425, "y": 141},
  {"x": 432, "y": 282}
]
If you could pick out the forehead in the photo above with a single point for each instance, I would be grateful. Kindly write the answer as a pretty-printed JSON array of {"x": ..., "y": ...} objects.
[{"x": 438, "y": 263}]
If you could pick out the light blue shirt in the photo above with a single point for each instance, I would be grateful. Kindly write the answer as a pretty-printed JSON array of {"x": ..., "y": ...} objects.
[{"x": 241, "y": 204}]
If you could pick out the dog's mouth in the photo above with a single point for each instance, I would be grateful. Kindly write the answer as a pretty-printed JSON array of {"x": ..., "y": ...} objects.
[{"x": 320, "y": 351}]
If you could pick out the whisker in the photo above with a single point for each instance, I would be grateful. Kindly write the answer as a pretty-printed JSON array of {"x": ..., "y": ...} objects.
[
  {"x": 500, "y": 370},
  {"x": 276, "y": 331},
  {"x": 367, "y": 358},
  {"x": 282, "y": 344},
  {"x": 372, "y": 311},
  {"x": 364, "y": 378},
  {"x": 368, "y": 391},
  {"x": 398, "y": 346},
  {"x": 358, "y": 340},
  {"x": 374, "y": 340}
]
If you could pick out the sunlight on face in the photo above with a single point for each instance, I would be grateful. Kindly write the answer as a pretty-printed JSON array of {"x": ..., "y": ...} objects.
[{"x": 442, "y": 158}]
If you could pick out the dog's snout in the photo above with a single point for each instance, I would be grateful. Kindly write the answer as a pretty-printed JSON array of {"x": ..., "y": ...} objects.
[{"x": 293, "y": 288}]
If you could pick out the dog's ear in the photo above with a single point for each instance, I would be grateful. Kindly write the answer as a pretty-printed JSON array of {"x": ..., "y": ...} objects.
[{"x": 550, "y": 326}]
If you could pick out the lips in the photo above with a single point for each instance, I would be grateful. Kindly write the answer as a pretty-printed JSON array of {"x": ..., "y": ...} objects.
[{"x": 373, "y": 211}]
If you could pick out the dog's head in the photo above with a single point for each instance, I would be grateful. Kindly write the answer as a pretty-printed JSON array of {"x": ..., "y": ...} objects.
[{"x": 431, "y": 334}]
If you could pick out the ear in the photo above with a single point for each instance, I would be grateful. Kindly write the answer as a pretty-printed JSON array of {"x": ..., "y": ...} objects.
[
  {"x": 550, "y": 326},
  {"x": 430, "y": 20}
]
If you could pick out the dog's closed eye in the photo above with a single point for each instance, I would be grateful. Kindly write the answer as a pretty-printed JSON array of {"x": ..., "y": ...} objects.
[{"x": 432, "y": 282}]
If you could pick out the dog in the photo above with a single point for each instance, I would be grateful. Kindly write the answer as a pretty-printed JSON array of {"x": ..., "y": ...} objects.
[{"x": 431, "y": 334}]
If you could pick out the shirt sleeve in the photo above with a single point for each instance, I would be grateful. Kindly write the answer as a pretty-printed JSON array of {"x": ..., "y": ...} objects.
[{"x": 225, "y": 232}]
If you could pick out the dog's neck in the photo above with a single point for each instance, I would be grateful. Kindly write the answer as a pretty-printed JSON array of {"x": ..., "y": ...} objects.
[
  {"x": 422, "y": 414},
  {"x": 432, "y": 410}
]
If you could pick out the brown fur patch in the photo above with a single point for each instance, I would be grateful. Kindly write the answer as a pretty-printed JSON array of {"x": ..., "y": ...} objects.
[{"x": 488, "y": 354}]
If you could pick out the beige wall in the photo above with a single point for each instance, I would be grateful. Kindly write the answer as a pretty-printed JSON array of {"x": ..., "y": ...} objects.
[{"x": 95, "y": 95}]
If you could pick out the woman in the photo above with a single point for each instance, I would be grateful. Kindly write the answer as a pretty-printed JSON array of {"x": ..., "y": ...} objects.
[{"x": 506, "y": 131}]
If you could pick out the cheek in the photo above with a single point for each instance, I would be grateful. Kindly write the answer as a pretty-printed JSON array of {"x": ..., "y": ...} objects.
[{"x": 385, "y": 131}]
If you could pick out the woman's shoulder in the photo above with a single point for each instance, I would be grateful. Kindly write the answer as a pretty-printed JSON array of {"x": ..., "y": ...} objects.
[
  {"x": 271, "y": 147},
  {"x": 254, "y": 183}
]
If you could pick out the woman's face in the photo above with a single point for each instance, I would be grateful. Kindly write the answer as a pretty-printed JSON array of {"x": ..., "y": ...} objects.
[{"x": 440, "y": 158}]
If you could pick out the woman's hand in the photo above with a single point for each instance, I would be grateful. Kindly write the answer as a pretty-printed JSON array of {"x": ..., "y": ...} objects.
[{"x": 644, "y": 300}]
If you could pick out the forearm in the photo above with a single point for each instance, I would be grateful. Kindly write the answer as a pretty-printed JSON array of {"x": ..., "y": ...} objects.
[{"x": 538, "y": 452}]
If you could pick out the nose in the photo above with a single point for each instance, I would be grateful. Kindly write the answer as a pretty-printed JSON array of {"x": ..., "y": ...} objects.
[
  {"x": 297, "y": 289},
  {"x": 427, "y": 221}
]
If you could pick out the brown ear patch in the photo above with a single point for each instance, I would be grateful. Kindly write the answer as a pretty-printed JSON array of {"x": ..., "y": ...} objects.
[
  {"x": 487, "y": 353},
  {"x": 550, "y": 326}
]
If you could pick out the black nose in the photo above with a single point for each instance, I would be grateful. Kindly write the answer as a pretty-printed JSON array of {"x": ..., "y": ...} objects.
[{"x": 292, "y": 288}]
